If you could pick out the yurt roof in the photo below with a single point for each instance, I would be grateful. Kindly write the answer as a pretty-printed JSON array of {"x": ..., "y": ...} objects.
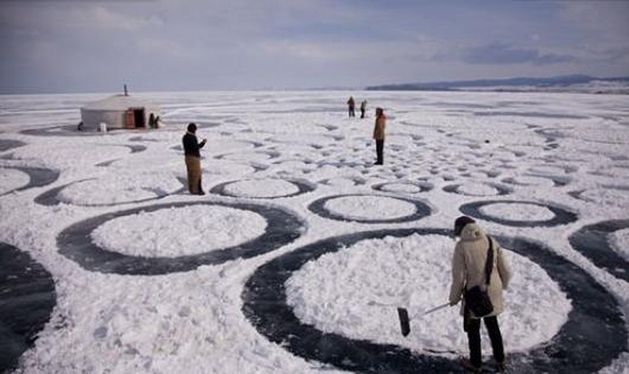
[{"x": 117, "y": 102}]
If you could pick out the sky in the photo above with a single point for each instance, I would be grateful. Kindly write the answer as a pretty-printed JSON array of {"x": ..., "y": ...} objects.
[{"x": 75, "y": 46}]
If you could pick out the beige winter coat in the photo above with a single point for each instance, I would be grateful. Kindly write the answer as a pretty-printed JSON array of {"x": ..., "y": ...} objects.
[
  {"x": 468, "y": 267},
  {"x": 378, "y": 130}
]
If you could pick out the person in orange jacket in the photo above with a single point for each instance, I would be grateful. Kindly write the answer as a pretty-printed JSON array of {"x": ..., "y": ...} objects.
[{"x": 378, "y": 135}]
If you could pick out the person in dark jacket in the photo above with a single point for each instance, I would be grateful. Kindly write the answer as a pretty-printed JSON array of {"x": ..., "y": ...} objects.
[
  {"x": 363, "y": 108},
  {"x": 351, "y": 105},
  {"x": 469, "y": 270},
  {"x": 191, "y": 148}
]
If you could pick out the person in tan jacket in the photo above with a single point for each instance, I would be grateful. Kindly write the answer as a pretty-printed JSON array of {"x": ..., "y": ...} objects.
[
  {"x": 378, "y": 135},
  {"x": 468, "y": 270}
]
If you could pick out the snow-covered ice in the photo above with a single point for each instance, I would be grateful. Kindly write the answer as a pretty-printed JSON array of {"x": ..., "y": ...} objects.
[
  {"x": 349, "y": 291},
  {"x": 200, "y": 229},
  {"x": 261, "y": 188},
  {"x": 563, "y": 150},
  {"x": 518, "y": 212},
  {"x": 11, "y": 179},
  {"x": 369, "y": 207}
]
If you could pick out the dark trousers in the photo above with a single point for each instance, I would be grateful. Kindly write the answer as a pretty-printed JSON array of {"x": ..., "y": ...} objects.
[
  {"x": 362, "y": 113},
  {"x": 351, "y": 112},
  {"x": 473, "y": 339},
  {"x": 380, "y": 151}
]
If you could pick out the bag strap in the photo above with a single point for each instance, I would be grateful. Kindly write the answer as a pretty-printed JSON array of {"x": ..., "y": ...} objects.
[{"x": 489, "y": 263}]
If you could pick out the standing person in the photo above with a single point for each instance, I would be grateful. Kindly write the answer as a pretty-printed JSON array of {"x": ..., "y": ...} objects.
[
  {"x": 378, "y": 134},
  {"x": 191, "y": 148},
  {"x": 152, "y": 121},
  {"x": 363, "y": 108},
  {"x": 351, "y": 105},
  {"x": 471, "y": 262}
]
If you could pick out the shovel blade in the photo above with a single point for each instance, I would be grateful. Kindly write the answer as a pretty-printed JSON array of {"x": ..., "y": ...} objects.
[{"x": 404, "y": 322}]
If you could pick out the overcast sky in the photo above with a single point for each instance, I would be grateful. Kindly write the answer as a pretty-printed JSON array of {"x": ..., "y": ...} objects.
[{"x": 95, "y": 46}]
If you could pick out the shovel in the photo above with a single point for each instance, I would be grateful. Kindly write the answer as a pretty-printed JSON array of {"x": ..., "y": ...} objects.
[{"x": 405, "y": 325}]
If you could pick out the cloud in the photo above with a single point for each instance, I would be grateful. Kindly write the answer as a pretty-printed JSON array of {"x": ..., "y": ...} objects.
[
  {"x": 608, "y": 20},
  {"x": 504, "y": 54}
]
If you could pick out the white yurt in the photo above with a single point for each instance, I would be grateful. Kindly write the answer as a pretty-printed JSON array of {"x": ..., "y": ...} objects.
[{"x": 118, "y": 112}]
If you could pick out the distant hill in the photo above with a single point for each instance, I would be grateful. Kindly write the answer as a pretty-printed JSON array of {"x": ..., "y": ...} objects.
[{"x": 565, "y": 83}]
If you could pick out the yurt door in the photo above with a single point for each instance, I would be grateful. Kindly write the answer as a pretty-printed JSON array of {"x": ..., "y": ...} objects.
[
  {"x": 139, "y": 117},
  {"x": 129, "y": 122}
]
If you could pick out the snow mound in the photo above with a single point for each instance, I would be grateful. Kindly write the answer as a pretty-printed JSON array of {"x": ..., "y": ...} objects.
[
  {"x": 261, "y": 188},
  {"x": 120, "y": 188},
  {"x": 477, "y": 189},
  {"x": 370, "y": 207},
  {"x": 518, "y": 212},
  {"x": 179, "y": 231},
  {"x": 401, "y": 187},
  {"x": 355, "y": 292}
]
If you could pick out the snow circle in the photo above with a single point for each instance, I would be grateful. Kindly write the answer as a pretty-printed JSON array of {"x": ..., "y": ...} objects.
[
  {"x": 77, "y": 243},
  {"x": 369, "y": 208},
  {"x": 518, "y": 213},
  {"x": 11, "y": 179},
  {"x": 594, "y": 334},
  {"x": 403, "y": 187},
  {"x": 354, "y": 292},
  {"x": 477, "y": 189},
  {"x": 619, "y": 240},
  {"x": 199, "y": 229},
  {"x": 262, "y": 188},
  {"x": 120, "y": 189},
  {"x": 269, "y": 188}
]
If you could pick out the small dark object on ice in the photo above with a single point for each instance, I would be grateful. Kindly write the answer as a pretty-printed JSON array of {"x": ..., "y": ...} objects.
[
  {"x": 467, "y": 364},
  {"x": 487, "y": 141},
  {"x": 404, "y": 322}
]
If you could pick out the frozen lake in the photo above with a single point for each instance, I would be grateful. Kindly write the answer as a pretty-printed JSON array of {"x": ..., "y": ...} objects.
[{"x": 295, "y": 260}]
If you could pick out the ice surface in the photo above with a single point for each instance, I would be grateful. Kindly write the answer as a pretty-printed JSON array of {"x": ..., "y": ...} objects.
[{"x": 192, "y": 321}]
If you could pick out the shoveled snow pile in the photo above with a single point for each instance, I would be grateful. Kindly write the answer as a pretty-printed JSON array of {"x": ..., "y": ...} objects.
[
  {"x": 370, "y": 207},
  {"x": 477, "y": 189},
  {"x": 120, "y": 188},
  {"x": 179, "y": 231},
  {"x": 518, "y": 211},
  {"x": 265, "y": 188}
]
